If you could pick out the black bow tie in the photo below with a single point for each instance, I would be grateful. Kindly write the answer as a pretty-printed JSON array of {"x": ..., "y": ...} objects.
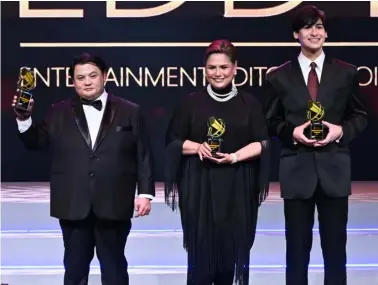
[{"x": 96, "y": 104}]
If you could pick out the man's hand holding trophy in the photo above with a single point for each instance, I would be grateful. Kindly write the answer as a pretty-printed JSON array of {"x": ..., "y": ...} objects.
[{"x": 316, "y": 132}]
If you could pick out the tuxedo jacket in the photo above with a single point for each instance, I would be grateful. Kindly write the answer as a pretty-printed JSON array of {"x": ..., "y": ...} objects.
[
  {"x": 104, "y": 177},
  {"x": 301, "y": 167}
]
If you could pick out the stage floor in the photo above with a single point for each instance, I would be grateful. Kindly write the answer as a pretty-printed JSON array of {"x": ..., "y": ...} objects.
[{"x": 32, "y": 247}]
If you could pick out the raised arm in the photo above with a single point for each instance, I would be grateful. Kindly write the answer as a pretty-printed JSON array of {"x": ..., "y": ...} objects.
[{"x": 33, "y": 136}]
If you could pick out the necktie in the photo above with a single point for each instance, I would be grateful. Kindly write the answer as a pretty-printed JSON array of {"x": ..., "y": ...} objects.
[
  {"x": 313, "y": 82},
  {"x": 96, "y": 104}
]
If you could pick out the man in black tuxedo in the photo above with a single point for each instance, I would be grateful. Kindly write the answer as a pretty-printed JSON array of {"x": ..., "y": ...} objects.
[
  {"x": 99, "y": 155},
  {"x": 314, "y": 172}
]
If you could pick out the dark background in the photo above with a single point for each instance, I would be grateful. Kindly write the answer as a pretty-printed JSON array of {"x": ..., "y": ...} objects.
[{"x": 191, "y": 22}]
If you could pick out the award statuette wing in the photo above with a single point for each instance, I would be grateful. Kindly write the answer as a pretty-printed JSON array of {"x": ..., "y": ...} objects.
[
  {"x": 315, "y": 114},
  {"x": 26, "y": 82},
  {"x": 216, "y": 129}
]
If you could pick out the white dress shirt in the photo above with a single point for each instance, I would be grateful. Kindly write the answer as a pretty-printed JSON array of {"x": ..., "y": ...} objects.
[
  {"x": 93, "y": 117},
  {"x": 305, "y": 65}
]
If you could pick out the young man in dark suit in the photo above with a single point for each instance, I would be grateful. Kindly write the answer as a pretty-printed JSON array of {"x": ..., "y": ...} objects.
[
  {"x": 99, "y": 155},
  {"x": 314, "y": 172}
]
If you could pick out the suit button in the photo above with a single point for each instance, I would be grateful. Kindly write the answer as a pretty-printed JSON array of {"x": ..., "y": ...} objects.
[{"x": 91, "y": 174}]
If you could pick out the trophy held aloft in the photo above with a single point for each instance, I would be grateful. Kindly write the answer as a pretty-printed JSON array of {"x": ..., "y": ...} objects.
[
  {"x": 215, "y": 131},
  {"x": 26, "y": 82}
]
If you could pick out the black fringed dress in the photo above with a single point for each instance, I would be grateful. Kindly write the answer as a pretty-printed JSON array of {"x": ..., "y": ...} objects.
[{"x": 218, "y": 202}]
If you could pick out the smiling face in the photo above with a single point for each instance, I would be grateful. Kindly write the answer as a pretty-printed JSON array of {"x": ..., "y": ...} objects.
[
  {"x": 312, "y": 37},
  {"x": 88, "y": 81},
  {"x": 220, "y": 71}
]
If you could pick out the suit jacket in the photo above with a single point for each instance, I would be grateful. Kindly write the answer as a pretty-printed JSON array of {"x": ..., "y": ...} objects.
[
  {"x": 302, "y": 167},
  {"x": 103, "y": 178}
]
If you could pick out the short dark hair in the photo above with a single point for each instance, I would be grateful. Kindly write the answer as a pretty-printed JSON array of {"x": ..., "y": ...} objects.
[
  {"x": 306, "y": 17},
  {"x": 221, "y": 46},
  {"x": 88, "y": 58}
]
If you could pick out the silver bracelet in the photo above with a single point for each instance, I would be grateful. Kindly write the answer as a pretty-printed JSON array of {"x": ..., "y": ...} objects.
[{"x": 234, "y": 158}]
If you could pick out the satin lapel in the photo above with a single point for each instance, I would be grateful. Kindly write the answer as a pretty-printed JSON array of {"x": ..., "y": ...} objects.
[
  {"x": 107, "y": 120},
  {"x": 325, "y": 82},
  {"x": 298, "y": 80},
  {"x": 81, "y": 121}
]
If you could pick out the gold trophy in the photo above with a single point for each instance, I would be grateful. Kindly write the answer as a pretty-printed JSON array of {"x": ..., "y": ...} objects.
[
  {"x": 26, "y": 82},
  {"x": 215, "y": 131},
  {"x": 315, "y": 113}
]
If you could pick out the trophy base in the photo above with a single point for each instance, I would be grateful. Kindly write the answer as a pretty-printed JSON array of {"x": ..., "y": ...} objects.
[
  {"x": 215, "y": 145},
  {"x": 23, "y": 101},
  {"x": 317, "y": 131}
]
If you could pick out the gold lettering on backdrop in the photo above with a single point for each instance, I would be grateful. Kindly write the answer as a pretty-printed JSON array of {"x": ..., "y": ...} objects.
[
  {"x": 184, "y": 74},
  {"x": 246, "y": 76},
  {"x": 69, "y": 82},
  {"x": 129, "y": 73},
  {"x": 251, "y": 81},
  {"x": 203, "y": 77},
  {"x": 174, "y": 76},
  {"x": 373, "y": 8},
  {"x": 372, "y": 75},
  {"x": 230, "y": 11},
  {"x": 113, "y": 12},
  {"x": 271, "y": 69},
  {"x": 148, "y": 75},
  {"x": 57, "y": 69},
  {"x": 26, "y": 12},
  {"x": 171, "y": 76},
  {"x": 261, "y": 75},
  {"x": 111, "y": 77},
  {"x": 39, "y": 76}
]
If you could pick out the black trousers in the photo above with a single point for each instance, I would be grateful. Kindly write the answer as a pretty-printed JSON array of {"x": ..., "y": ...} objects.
[
  {"x": 299, "y": 222},
  {"x": 81, "y": 238}
]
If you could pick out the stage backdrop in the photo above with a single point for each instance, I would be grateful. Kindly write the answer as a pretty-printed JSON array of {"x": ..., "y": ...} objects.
[{"x": 155, "y": 53}]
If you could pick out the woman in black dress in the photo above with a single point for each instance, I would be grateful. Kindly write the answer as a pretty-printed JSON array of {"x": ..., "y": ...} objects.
[{"x": 219, "y": 193}]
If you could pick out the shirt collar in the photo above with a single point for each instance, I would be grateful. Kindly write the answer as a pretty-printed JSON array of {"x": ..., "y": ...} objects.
[
  {"x": 304, "y": 62},
  {"x": 103, "y": 97}
]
